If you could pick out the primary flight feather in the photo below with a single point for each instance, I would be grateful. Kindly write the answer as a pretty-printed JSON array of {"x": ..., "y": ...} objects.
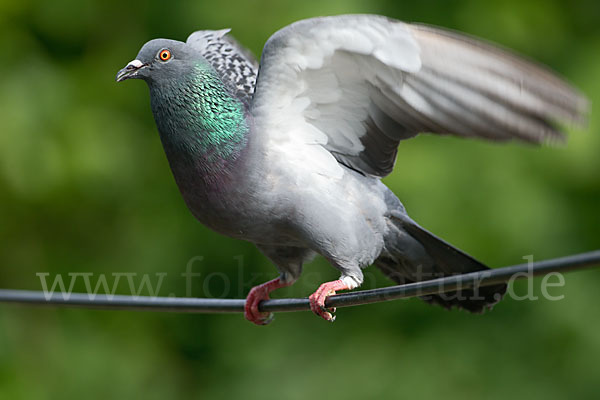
[{"x": 289, "y": 154}]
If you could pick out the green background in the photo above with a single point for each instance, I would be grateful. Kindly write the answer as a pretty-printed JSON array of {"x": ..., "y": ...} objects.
[{"x": 85, "y": 187}]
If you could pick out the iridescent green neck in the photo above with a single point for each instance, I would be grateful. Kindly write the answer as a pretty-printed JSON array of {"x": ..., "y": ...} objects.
[{"x": 199, "y": 119}]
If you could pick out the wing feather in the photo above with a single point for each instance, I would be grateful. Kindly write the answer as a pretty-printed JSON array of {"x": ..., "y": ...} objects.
[
  {"x": 357, "y": 85},
  {"x": 233, "y": 62}
]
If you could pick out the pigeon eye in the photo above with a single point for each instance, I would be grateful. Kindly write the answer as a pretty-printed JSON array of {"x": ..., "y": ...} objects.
[{"x": 164, "y": 55}]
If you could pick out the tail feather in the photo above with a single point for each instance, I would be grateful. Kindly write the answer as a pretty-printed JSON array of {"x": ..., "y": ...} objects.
[{"x": 413, "y": 254}]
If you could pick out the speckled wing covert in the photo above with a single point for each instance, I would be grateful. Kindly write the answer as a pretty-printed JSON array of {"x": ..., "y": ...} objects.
[
  {"x": 235, "y": 64},
  {"x": 357, "y": 85}
]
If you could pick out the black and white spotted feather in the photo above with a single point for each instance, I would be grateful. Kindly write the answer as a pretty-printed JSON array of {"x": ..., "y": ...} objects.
[{"x": 235, "y": 64}]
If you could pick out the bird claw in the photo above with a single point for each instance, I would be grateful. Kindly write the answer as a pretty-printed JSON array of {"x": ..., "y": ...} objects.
[
  {"x": 318, "y": 298},
  {"x": 327, "y": 313},
  {"x": 251, "y": 312},
  {"x": 264, "y": 319},
  {"x": 258, "y": 294},
  {"x": 320, "y": 309},
  {"x": 256, "y": 317},
  {"x": 330, "y": 310}
]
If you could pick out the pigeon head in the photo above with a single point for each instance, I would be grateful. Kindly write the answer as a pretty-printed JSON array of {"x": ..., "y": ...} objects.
[
  {"x": 159, "y": 59},
  {"x": 198, "y": 117}
]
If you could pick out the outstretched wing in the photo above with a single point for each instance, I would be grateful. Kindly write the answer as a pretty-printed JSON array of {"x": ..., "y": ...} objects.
[
  {"x": 359, "y": 84},
  {"x": 235, "y": 64}
]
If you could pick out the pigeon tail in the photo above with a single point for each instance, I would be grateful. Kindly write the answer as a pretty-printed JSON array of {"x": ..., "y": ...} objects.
[{"x": 413, "y": 254}]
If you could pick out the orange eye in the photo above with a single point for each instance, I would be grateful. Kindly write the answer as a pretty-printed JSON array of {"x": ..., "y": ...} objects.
[{"x": 164, "y": 55}]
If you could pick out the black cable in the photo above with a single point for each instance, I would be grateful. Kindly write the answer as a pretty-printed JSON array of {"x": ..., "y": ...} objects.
[{"x": 197, "y": 305}]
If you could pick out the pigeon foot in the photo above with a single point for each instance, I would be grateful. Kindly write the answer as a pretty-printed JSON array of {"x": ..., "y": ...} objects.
[
  {"x": 317, "y": 299},
  {"x": 258, "y": 294}
]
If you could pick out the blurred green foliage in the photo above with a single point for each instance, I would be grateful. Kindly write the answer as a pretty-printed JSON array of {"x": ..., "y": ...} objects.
[{"x": 85, "y": 187}]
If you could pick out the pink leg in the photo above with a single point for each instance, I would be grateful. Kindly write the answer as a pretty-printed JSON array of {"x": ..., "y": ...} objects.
[
  {"x": 258, "y": 294},
  {"x": 317, "y": 299}
]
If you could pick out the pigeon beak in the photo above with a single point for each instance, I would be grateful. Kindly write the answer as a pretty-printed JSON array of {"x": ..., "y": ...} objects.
[{"x": 130, "y": 71}]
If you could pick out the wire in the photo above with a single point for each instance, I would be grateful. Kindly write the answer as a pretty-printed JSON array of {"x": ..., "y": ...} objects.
[{"x": 198, "y": 305}]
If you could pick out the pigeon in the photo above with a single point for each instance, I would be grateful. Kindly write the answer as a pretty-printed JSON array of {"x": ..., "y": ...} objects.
[{"x": 289, "y": 154}]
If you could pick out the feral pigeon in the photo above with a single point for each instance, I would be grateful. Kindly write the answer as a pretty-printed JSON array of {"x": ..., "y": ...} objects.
[{"x": 289, "y": 154}]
